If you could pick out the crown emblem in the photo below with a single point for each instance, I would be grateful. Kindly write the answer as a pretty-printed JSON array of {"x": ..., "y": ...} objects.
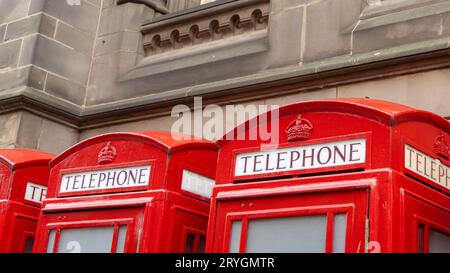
[
  {"x": 299, "y": 129},
  {"x": 441, "y": 146},
  {"x": 107, "y": 154}
]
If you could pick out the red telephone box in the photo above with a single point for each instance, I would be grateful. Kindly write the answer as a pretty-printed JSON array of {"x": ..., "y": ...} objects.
[
  {"x": 129, "y": 192},
  {"x": 348, "y": 175},
  {"x": 23, "y": 185}
]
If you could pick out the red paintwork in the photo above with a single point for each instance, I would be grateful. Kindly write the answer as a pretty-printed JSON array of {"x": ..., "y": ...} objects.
[
  {"x": 394, "y": 199},
  {"x": 161, "y": 211},
  {"x": 18, "y": 217}
]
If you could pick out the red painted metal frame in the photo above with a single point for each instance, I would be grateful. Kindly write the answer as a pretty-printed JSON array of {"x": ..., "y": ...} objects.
[
  {"x": 197, "y": 233},
  {"x": 19, "y": 216},
  {"x": 366, "y": 135},
  {"x": 165, "y": 209},
  {"x": 328, "y": 210},
  {"x": 128, "y": 222},
  {"x": 393, "y": 218},
  {"x": 150, "y": 163}
]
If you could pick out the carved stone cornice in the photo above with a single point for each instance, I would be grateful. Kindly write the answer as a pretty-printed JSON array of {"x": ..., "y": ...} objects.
[{"x": 204, "y": 24}]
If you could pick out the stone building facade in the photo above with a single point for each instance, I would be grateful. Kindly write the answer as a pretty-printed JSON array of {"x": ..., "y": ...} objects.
[{"x": 72, "y": 69}]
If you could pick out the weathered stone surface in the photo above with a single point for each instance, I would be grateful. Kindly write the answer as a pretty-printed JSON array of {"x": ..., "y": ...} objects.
[
  {"x": 2, "y": 32},
  {"x": 61, "y": 60},
  {"x": 47, "y": 26},
  {"x": 401, "y": 33},
  {"x": 285, "y": 35},
  {"x": 29, "y": 131},
  {"x": 9, "y": 126},
  {"x": 27, "y": 50},
  {"x": 23, "y": 27},
  {"x": 36, "y": 6},
  {"x": 119, "y": 18},
  {"x": 11, "y": 10},
  {"x": 303, "y": 96},
  {"x": 83, "y": 17},
  {"x": 55, "y": 137},
  {"x": 37, "y": 78},
  {"x": 427, "y": 90},
  {"x": 80, "y": 41},
  {"x": 325, "y": 22},
  {"x": 14, "y": 78},
  {"x": 128, "y": 41},
  {"x": 95, "y": 2},
  {"x": 65, "y": 89},
  {"x": 446, "y": 24},
  {"x": 9, "y": 54}
]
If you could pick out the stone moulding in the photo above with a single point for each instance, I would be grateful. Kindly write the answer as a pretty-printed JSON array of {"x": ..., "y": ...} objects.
[{"x": 232, "y": 18}]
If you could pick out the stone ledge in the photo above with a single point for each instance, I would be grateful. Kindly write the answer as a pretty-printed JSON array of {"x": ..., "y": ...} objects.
[
  {"x": 234, "y": 47},
  {"x": 269, "y": 83},
  {"x": 394, "y": 16}
]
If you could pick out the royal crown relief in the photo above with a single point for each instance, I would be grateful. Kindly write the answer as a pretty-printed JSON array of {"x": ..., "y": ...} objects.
[
  {"x": 107, "y": 154},
  {"x": 299, "y": 129}
]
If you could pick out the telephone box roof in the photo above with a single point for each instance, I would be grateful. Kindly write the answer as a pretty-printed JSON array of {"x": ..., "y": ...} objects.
[
  {"x": 20, "y": 158},
  {"x": 385, "y": 112},
  {"x": 161, "y": 140}
]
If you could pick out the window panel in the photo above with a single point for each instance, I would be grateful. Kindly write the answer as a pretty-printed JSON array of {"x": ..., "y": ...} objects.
[
  {"x": 190, "y": 241},
  {"x": 51, "y": 241},
  {"x": 121, "y": 239},
  {"x": 339, "y": 231},
  {"x": 235, "y": 239},
  {"x": 29, "y": 245},
  {"x": 292, "y": 234},
  {"x": 86, "y": 240},
  {"x": 438, "y": 242}
]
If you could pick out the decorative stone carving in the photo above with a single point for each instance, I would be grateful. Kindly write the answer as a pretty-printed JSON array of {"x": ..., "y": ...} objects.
[{"x": 200, "y": 26}]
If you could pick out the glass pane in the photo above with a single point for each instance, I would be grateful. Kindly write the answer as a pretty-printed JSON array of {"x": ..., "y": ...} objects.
[
  {"x": 121, "y": 237},
  {"x": 339, "y": 230},
  {"x": 29, "y": 245},
  {"x": 235, "y": 239},
  {"x": 420, "y": 239},
  {"x": 51, "y": 241},
  {"x": 86, "y": 240},
  {"x": 438, "y": 242},
  {"x": 190, "y": 241},
  {"x": 201, "y": 245},
  {"x": 292, "y": 234}
]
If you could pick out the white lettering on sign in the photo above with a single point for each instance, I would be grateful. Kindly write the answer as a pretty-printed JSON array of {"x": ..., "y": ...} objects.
[
  {"x": 198, "y": 184},
  {"x": 105, "y": 179},
  {"x": 427, "y": 167},
  {"x": 35, "y": 192},
  {"x": 314, "y": 156}
]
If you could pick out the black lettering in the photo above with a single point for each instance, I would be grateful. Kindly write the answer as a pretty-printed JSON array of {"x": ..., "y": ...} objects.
[
  {"x": 92, "y": 180},
  {"x": 353, "y": 151},
  {"x": 292, "y": 158},
  {"x": 338, "y": 152},
  {"x": 279, "y": 159},
  {"x": 75, "y": 181},
  {"x": 308, "y": 156},
  {"x": 142, "y": 174},
  {"x": 319, "y": 155},
  {"x": 267, "y": 163},
  {"x": 256, "y": 162},
  {"x": 110, "y": 179},
  {"x": 125, "y": 176},
  {"x": 132, "y": 177},
  {"x": 68, "y": 181},
  {"x": 417, "y": 162},
  {"x": 245, "y": 162}
]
